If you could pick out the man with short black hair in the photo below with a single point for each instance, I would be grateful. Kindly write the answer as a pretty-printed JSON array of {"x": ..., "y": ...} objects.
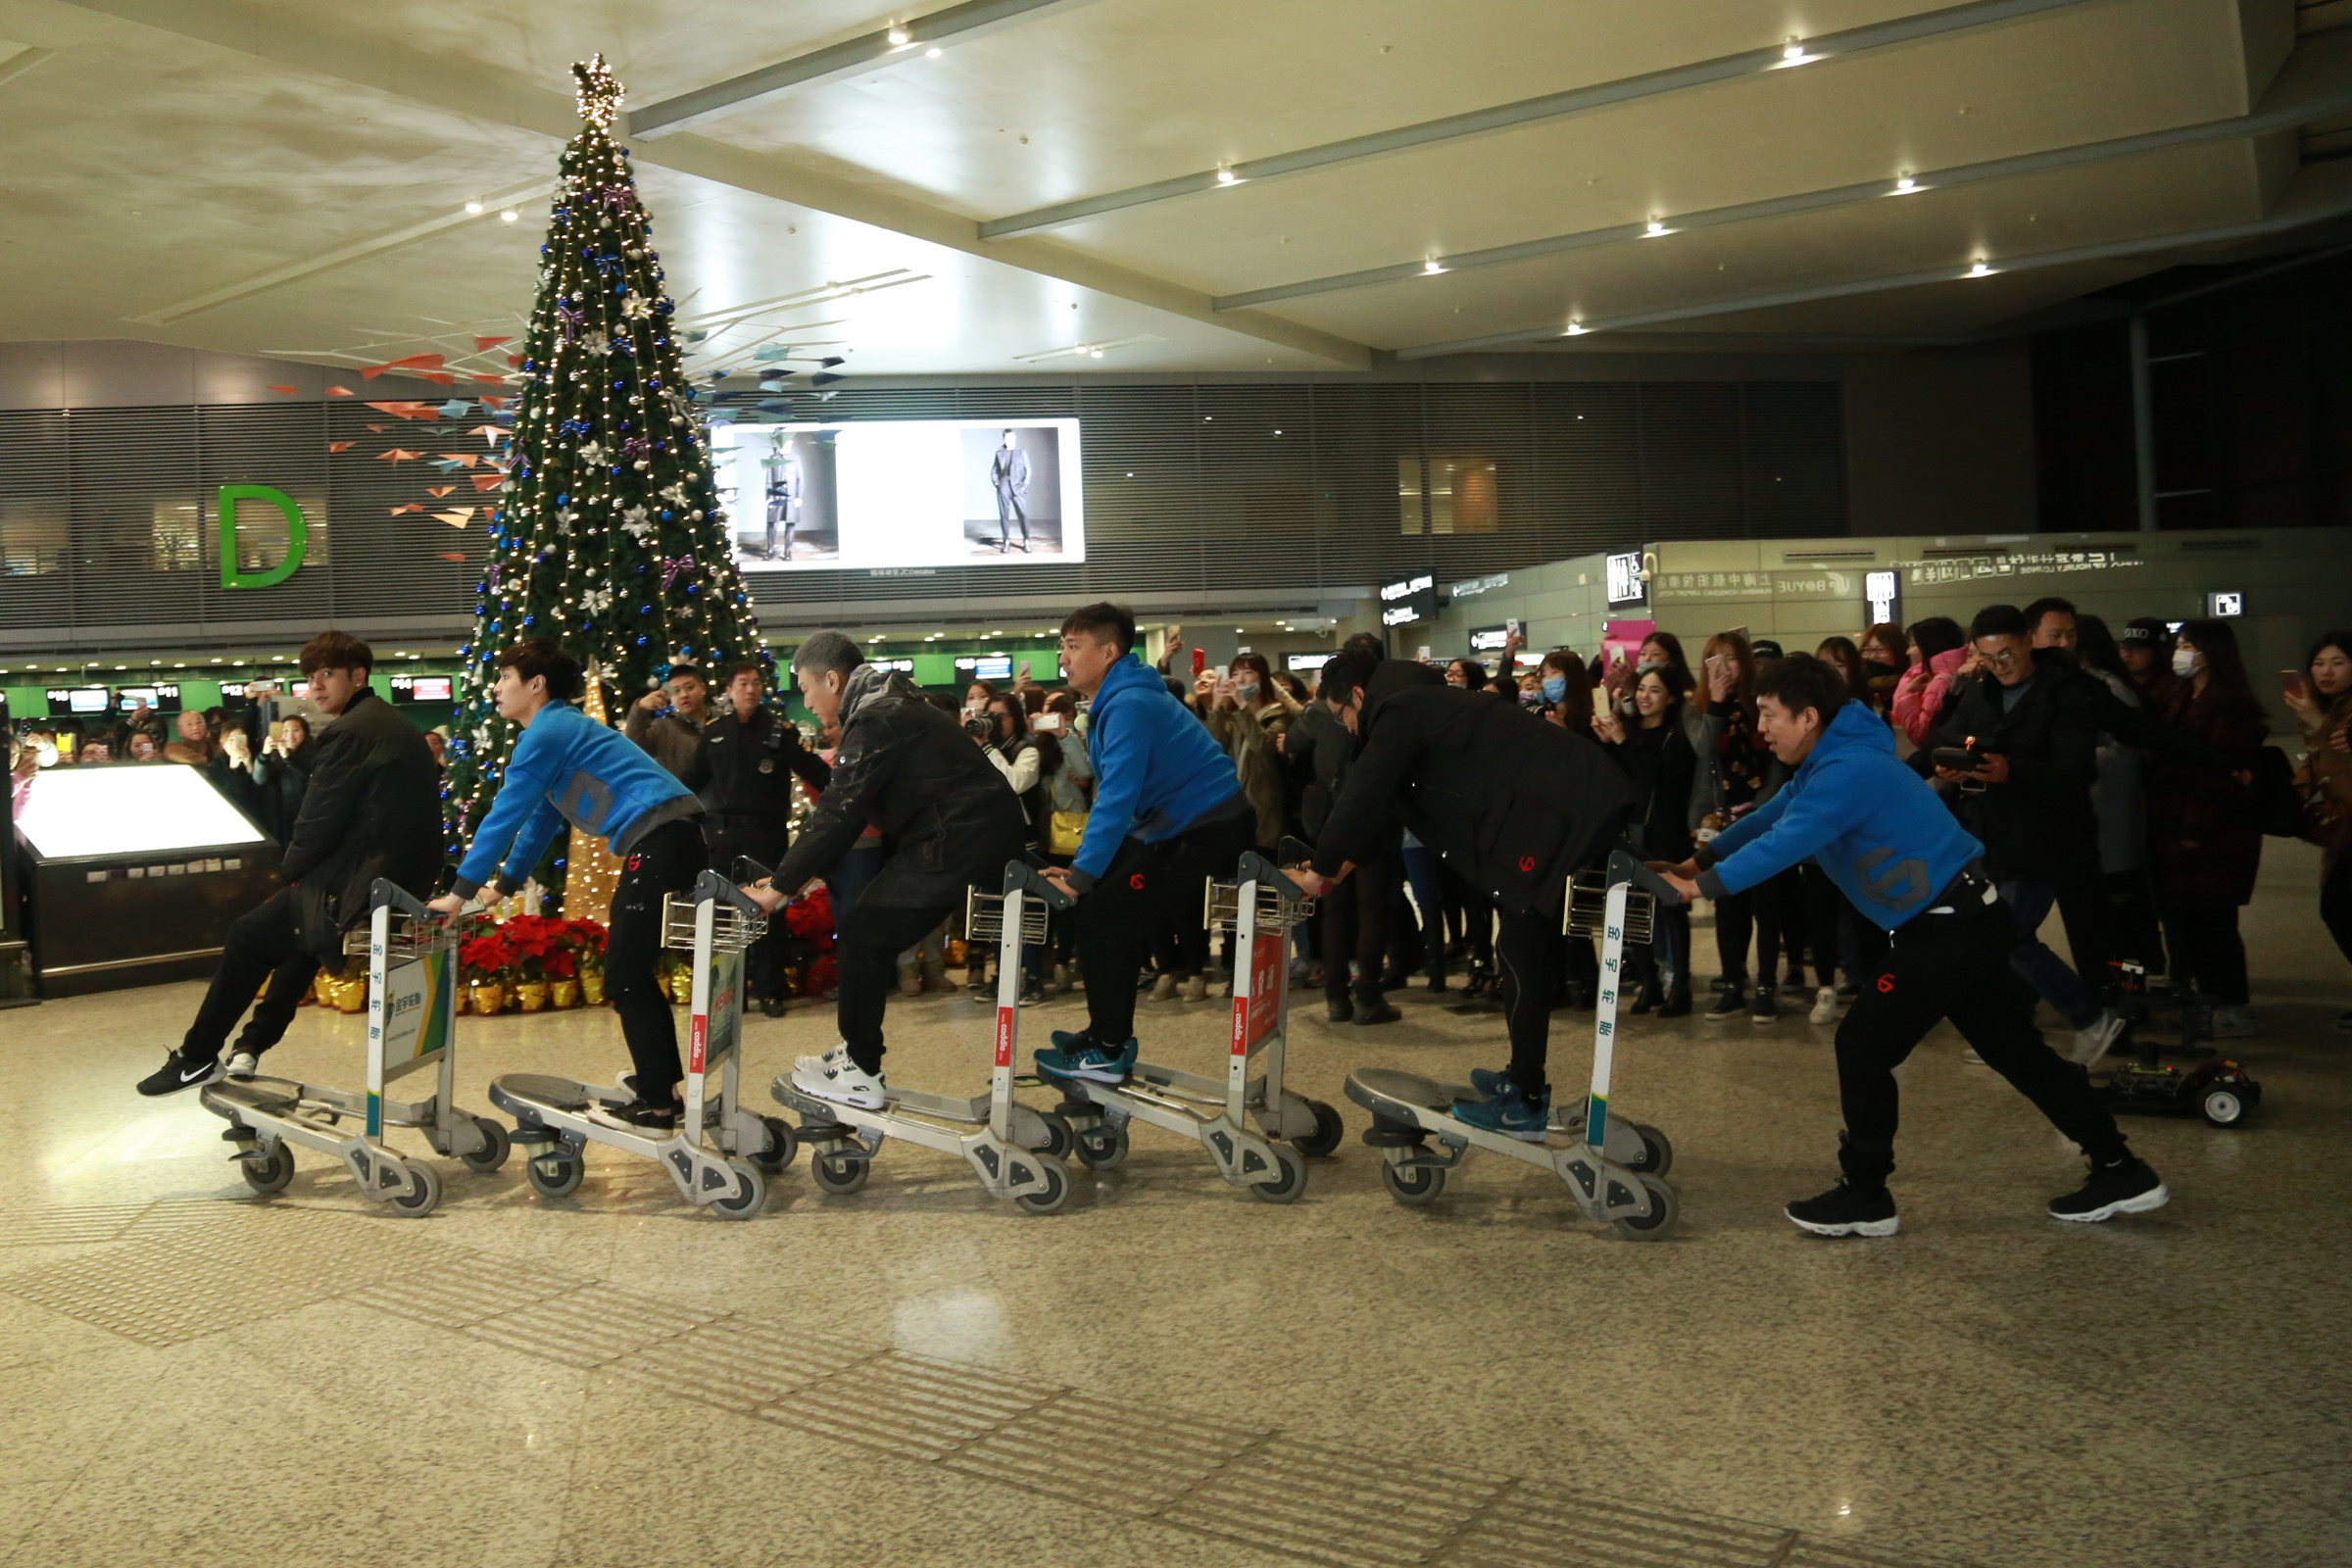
[
  {"x": 1902, "y": 859},
  {"x": 1356, "y": 914},
  {"x": 2031, "y": 718},
  {"x": 674, "y": 738},
  {"x": 744, "y": 771},
  {"x": 2050, "y": 622},
  {"x": 372, "y": 809},
  {"x": 1168, "y": 814}
]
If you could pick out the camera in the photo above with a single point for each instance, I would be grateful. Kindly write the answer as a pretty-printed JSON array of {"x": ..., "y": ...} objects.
[{"x": 980, "y": 726}]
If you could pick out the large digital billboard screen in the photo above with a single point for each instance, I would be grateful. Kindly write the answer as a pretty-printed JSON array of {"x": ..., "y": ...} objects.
[{"x": 902, "y": 493}]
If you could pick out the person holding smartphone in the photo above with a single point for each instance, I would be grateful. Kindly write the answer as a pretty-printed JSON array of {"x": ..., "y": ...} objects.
[
  {"x": 1908, "y": 867},
  {"x": 2321, "y": 695}
]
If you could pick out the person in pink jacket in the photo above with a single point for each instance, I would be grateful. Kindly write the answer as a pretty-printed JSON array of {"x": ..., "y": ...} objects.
[{"x": 1938, "y": 651}]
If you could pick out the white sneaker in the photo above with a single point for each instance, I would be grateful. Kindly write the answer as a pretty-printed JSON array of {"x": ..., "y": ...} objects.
[
  {"x": 244, "y": 1064},
  {"x": 1968, "y": 1055},
  {"x": 844, "y": 1083},
  {"x": 1196, "y": 989},
  {"x": 2093, "y": 1040},
  {"x": 1824, "y": 1005},
  {"x": 838, "y": 1056},
  {"x": 2229, "y": 1023}
]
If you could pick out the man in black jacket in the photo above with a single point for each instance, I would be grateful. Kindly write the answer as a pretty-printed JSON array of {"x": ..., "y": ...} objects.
[
  {"x": 949, "y": 822},
  {"x": 749, "y": 756},
  {"x": 1354, "y": 916},
  {"x": 372, "y": 809},
  {"x": 2033, "y": 719},
  {"x": 1511, "y": 802}
]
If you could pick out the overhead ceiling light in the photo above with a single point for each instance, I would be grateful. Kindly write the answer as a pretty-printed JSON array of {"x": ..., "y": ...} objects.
[
  {"x": 1226, "y": 177},
  {"x": 1654, "y": 227},
  {"x": 1905, "y": 185},
  {"x": 509, "y": 215},
  {"x": 1093, "y": 354},
  {"x": 1575, "y": 329},
  {"x": 1794, "y": 54},
  {"x": 931, "y": 52},
  {"x": 1432, "y": 266},
  {"x": 1981, "y": 270},
  {"x": 899, "y": 37},
  {"x": 474, "y": 207}
]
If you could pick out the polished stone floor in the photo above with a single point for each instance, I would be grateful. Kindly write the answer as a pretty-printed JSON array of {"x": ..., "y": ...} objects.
[{"x": 1169, "y": 1372}]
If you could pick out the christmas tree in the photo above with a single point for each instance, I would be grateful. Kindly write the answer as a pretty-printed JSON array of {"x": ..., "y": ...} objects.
[{"x": 608, "y": 537}]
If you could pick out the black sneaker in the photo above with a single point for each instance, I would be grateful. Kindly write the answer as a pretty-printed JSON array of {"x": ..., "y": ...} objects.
[
  {"x": 179, "y": 1072},
  {"x": 1762, "y": 1009},
  {"x": 638, "y": 1117},
  {"x": 1338, "y": 1007},
  {"x": 1729, "y": 1002},
  {"x": 1847, "y": 1210},
  {"x": 1376, "y": 1009},
  {"x": 2127, "y": 1186}
]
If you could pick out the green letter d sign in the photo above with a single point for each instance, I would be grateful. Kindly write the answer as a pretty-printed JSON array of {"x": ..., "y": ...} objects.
[{"x": 298, "y": 536}]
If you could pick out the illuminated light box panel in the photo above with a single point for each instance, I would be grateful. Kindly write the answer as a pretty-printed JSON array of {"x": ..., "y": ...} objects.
[{"x": 129, "y": 809}]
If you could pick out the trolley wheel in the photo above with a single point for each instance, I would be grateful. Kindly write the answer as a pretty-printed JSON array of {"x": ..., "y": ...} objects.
[
  {"x": 1056, "y": 1192},
  {"x": 1103, "y": 1148},
  {"x": 271, "y": 1174},
  {"x": 424, "y": 1194},
  {"x": 749, "y": 1195},
  {"x": 1289, "y": 1185},
  {"x": 2222, "y": 1106},
  {"x": 1059, "y": 1139},
  {"x": 1412, "y": 1184},
  {"x": 1329, "y": 1131},
  {"x": 779, "y": 1149},
  {"x": 1663, "y": 1208},
  {"x": 493, "y": 1153},
  {"x": 556, "y": 1175},
  {"x": 837, "y": 1173},
  {"x": 1658, "y": 1151}
]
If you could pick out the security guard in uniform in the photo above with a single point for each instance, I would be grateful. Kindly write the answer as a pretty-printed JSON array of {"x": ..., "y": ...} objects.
[{"x": 749, "y": 755}]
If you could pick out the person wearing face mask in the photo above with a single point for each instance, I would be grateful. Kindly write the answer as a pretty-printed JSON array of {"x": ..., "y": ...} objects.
[
  {"x": 2206, "y": 841},
  {"x": 1886, "y": 653},
  {"x": 2322, "y": 701},
  {"x": 2146, "y": 646},
  {"x": 1247, "y": 715},
  {"x": 1659, "y": 752}
]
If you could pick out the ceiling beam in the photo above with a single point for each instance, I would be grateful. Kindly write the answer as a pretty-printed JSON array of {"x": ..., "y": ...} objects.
[
  {"x": 1528, "y": 110},
  {"x": 298, "y": 40},
  {"x": 2318, "y": 195},
  {"x": 974, "y": 18},
  {"x": 2316, "y": 81}
]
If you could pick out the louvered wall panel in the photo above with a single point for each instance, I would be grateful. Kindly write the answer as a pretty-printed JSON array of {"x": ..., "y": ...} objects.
[
  {"x": 37, "y": 576},
  {"x": 1188, "y": 492}
]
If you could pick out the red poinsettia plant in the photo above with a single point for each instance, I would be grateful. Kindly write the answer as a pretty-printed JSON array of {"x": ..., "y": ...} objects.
[
  {"x": 810, "y": 917},
  {"x": 534, "y": 939},
  {"x": 586, "y": 940},
  {"x": 485, "y": 959},
  {"x": 564, "y": 964}
]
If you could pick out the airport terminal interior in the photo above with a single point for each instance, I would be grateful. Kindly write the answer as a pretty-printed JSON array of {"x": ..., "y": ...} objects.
[{"x": 1332, "y": 783}]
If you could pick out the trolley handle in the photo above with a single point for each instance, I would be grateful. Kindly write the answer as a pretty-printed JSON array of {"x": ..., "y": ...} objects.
[
  {"x": 1025, "y": 879},
  {"x": 718, "y": 889},
  {"x": 748, "y": 870},
  {"x": 1293, "y": 851},
  {"x": 386, "y": 892},
  {"x": 1255, "y": 867},
  {"x": 1626, "y": 867}
]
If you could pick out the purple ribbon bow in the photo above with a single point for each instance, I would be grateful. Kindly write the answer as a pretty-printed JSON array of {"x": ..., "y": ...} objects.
[{"x": 671, "y": 567}]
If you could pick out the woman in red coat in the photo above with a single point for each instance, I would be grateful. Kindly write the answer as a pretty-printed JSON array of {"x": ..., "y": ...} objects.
[{"x": 2201, "y": 823}]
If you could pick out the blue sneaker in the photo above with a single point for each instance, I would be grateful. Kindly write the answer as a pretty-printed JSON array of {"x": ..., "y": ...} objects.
[
  {"x": 1081, "y": 1056},
  {"x": 1511, "y": 1114},
  {"x": 1489, "y": 1082}
]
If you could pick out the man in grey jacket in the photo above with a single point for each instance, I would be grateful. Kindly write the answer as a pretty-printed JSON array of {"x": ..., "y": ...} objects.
[{"x": 1008, "y": 476}]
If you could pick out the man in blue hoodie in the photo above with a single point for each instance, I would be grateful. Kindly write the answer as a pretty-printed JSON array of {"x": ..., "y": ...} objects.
[
  {"x": 1900, "y": 858},
  {"x": 568, "y": 768},
  {"x": 1168, "y": 813}
]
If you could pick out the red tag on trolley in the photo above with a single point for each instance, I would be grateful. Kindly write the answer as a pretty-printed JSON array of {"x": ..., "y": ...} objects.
[
  {"x": 1004, "y": 1037},
  {"x": 698, "y": 1042},
  {"x": 1255, "y": 1019}
]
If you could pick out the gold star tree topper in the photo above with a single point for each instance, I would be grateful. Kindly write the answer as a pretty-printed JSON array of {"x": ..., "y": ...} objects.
[{"x": 600, "y": 92}]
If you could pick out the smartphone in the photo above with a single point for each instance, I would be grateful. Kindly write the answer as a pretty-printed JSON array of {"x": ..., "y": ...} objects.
[
  {"x": 1510, "y": 627},
  {"x": 2291, "y": 681},
  {"x": 1959, "y": 758},
  {"x": 1600, "y": 703},
  {"x": 1024, "y": 670},
  {"x": 1199, "y": 661}
]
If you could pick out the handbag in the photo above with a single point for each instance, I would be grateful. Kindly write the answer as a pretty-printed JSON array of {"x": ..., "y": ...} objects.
[{"x": 1064, "y": 831}]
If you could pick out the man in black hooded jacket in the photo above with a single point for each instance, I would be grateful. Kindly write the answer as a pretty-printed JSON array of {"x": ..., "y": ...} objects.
[
  {"x": 372, "y": 809},
  {"x": 949, "y": 822},
  {"x": 1510, "y": 802}
]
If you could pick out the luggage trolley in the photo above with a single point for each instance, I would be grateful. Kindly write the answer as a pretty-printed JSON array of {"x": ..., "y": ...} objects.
[
  {"x": 1612, "y": 1167},
  {"x": 1260, "y": 908},
  {"x": 412, "y": 1010},
  {"x": 1016, "y": 1151},
  {"x": 729, "y": 1175}
]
